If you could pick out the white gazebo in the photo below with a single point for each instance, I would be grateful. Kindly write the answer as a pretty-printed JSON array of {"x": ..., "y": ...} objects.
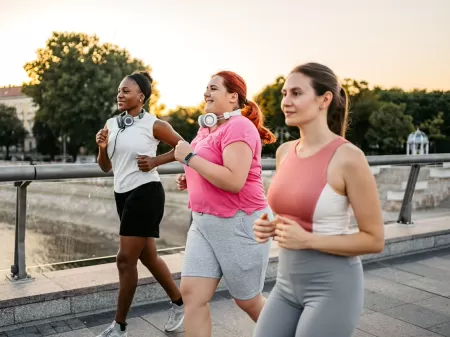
[{"x": 417, "y": 143}]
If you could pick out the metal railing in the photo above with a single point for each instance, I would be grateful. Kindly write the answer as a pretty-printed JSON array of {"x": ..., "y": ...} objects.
[{"x": 22, "y": 176}]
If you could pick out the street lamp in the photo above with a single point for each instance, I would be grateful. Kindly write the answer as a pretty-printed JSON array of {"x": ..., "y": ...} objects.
[
  {"x": 282, "y": 134},
  {"x": 64, "y": 139}
]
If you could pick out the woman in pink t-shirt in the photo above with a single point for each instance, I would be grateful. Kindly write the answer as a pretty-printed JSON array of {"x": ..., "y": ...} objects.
[{"x": 226, "y": 194}]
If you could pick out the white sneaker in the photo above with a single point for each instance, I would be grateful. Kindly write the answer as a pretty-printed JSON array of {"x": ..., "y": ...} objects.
[
  {"x": 114, "y": 331},
  {"x": 176, "y": 317}
]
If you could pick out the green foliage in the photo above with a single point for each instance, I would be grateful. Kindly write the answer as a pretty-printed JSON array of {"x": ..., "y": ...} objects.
[
  {"x": 432, "y": 127},
  {"x": 389, "y": 128},
  {"x": 46, "y": 141},
  {"x": 363, "y": 102},
  {"x": 12, "y": 132},
  {"x": 184, "y": 121},
  {"x": 269, "y": 100},
  {"x": 74, "y": 82},
  {"x": 430, "y": 111}
]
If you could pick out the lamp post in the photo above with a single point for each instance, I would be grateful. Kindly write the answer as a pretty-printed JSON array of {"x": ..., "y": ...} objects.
[
  {"x": 282, "y": 133},
  {"x": 64, "y": 139}
]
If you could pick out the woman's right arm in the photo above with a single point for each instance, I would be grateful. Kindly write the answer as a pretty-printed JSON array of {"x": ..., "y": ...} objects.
[{"x": 102, "y": 141}]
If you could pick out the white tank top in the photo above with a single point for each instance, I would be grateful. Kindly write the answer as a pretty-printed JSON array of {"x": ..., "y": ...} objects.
[{"x": 135, "y": 140}]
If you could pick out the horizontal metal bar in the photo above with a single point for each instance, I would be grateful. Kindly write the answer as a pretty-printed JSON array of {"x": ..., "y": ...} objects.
[
  {"x": 409, "y": 160},
  {"x": 69, "y": 171},
  {"x": 74, "y": 171},
  {"x": 17, "y": 173}
]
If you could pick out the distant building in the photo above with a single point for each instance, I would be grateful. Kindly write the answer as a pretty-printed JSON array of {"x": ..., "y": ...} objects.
[
  {"x": 417, "y": 143},
  {"x": 26, "y": 111}
]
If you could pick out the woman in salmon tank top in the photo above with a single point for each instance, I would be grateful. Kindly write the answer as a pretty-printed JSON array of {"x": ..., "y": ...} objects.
[{"x": 319, "y": 290}]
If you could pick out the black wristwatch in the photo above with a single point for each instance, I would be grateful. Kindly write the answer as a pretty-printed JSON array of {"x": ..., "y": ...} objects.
[{"x": 188, "y": 157}]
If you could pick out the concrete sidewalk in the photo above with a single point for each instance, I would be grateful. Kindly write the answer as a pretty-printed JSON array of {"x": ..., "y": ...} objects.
[{"x": 406, "y": 296}]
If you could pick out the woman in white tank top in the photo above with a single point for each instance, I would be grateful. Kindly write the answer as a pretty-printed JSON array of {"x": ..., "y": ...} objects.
[{"x": 128, "y": 145}]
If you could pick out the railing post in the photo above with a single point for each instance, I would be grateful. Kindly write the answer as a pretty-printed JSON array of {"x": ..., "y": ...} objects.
[
  {"x": 18, "y": 270},
  {"x": 406, "y": 210}
]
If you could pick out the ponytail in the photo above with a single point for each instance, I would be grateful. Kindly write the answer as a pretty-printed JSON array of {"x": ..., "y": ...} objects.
[
  {"x": 254, "y": 114},
  {"x": 338, "y": 114},
  {"x": 236, "y": 84}
]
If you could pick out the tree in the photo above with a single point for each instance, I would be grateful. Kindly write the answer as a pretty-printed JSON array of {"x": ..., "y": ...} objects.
[
  {"x": 432, "y": 128},
  {"x": 74, "y": 82},
  {"x": 12, "y": 132},
  {"x": 46, "y": 141},
  {"x": 363, "y": 102},
  {"x": 389, "y": 128},
  {"x": 269, "y": 100},
  {"x": 184, "y": 121},
  {"x": 424, "y": 106}
]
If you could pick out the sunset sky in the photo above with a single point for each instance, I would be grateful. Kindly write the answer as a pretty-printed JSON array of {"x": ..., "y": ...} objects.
[{"x": 403, "y": 43}]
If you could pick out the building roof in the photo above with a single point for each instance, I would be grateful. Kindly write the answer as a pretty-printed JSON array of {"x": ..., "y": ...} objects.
[
  {"x": 418, "y": 137},
  {"x": 10, "y": 92}
]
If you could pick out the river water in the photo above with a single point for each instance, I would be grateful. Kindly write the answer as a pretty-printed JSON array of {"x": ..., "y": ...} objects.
[
  {"x": 49, "y": 244},
  {"x": 68, "y": 221}
]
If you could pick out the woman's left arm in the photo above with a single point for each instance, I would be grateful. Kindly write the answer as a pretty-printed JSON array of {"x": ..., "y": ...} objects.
[
  {"x": 362, "y": 193},
  {"x": 165, "y": 133},
  {"x": 232, "y": 175},
  {"x": 363, "y": 196}
]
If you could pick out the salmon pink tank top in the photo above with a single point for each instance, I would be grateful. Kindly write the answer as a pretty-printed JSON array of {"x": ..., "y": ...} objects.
[{"x": 300, "y": 191}]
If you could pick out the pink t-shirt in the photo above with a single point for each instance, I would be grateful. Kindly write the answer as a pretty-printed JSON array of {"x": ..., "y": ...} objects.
[{"x": 206, "y": 198}]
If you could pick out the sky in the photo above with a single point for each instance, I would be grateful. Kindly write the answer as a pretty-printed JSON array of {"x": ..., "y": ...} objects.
[{"x": 401, "y": 43}]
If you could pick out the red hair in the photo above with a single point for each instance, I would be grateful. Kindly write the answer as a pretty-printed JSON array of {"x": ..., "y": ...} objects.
[{"x": 235, "y": 83}]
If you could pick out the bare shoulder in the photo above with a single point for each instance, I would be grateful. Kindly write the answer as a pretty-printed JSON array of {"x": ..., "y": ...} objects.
[
  {"x": 159, "y": 123},
  {"x": 282, "y": 151},
  {"x": 351, "y": 158},
  {"x": 161, "y": 126},
  {"x": 284, "y": 148}
]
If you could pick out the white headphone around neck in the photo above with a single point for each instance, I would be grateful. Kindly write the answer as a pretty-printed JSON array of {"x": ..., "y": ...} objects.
[{"x": 210, "y": 119}]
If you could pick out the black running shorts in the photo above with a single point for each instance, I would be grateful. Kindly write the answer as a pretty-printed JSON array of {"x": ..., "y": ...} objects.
[{"x": 141, "y": 210}]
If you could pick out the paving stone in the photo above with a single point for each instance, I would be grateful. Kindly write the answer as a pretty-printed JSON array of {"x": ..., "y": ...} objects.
[
  {"x": 367, "y": 311},
  {"x": 30, "y": 330},
  {"x": 424, "y": 270},
  {"x": 48, "y": 332},
  {"x": 417, "y": 315},
  {"x": 63, "y": 328},
  {"x": 437, "y": 303},
  {"x": 395, "y": 290},
  {"x": 381, "y": 325},
  {"x": 136, "y": 327},
  {"x": 360, "y": 333},
  {"x": 76, "y": 333},
  {"x": 393, "y": 274},
  {"x": 229, "y": 315},
  {"x": 75, "y": 323},
  {"x": 437, "y": 262},
  {"x": 44, "y": 327},
  {"x": 432, "y": 286},
  {"x": 377, "y": 302},
  {"x": 442, "y": 329}
]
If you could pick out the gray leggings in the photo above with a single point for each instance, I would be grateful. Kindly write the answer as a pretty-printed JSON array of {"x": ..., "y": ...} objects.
[{"x": 316, "y": 295}]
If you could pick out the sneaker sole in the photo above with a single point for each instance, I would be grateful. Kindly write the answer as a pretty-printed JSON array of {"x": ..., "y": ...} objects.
[{"x": 176, "y": 326}]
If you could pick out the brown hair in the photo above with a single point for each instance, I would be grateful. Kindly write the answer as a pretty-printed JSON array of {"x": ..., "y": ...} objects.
[
  {"x": 235, "y": 83},
  {"x": 323, "y": 79}
]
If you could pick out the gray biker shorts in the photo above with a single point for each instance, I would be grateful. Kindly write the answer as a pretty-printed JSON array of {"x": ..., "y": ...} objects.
[{"x": 227, "y": 247}]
